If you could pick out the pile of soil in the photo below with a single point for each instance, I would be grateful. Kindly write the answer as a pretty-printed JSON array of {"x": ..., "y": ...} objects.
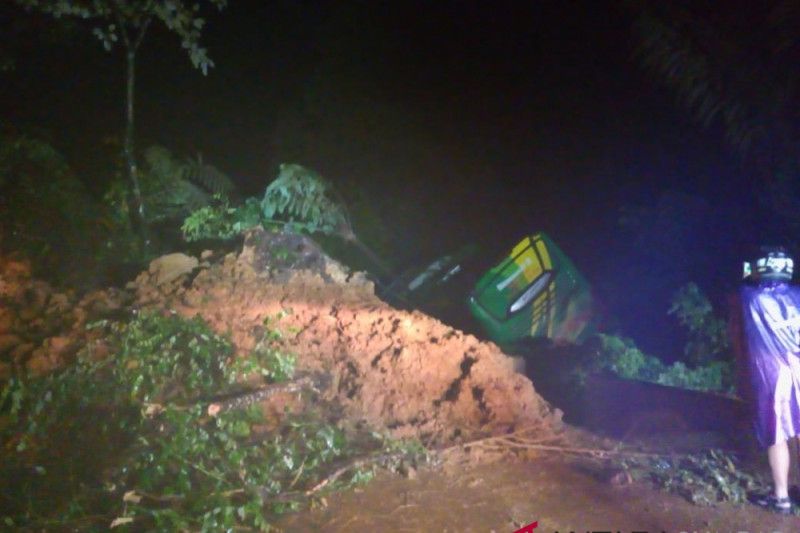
[
  {"x": 403, "y": 372},
  {"x": 42, "y": 328}
]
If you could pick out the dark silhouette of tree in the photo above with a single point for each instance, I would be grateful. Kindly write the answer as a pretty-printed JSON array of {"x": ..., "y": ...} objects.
[
  {"x": 127, "y": 22},
  {"x": 735, "y": 64}
]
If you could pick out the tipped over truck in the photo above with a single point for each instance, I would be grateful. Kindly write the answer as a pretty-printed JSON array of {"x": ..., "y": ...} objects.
[{"x": 535, "y": 291}]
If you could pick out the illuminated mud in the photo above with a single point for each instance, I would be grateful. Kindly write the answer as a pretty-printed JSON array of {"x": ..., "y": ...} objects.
[{"x": 404, "y": 372}]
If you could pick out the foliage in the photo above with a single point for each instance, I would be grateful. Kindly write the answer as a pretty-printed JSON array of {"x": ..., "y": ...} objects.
[
  {"x": 123, "y": 20},
  {"x": 220, "y": 220},
  {"x": 298, "y": 198},
  {"x": 172, "y": 189},
  {"x": 738, "y": 70},
  {"x": 708, "y": 335},
  {"x": 705, "y": 478},
  {"x": 173, "y": 467},
  {"x": 127, "y": 21},
  {"x": 746, "y": 81},
  {"x": 621, "y": 356},
  {"x": 301, "y": 197}
]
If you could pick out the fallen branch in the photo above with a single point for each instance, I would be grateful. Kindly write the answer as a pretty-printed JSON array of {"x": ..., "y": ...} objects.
[
  {"x": 251, "y": 397},
  {"x": 516, "y": 441},
  {"x": 362, "y": 462}
]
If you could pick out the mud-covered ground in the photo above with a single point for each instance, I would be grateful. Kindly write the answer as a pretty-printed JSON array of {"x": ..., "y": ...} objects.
[
  {"x": 562, "y": 495},
  {"x": 399, "y": 372}
]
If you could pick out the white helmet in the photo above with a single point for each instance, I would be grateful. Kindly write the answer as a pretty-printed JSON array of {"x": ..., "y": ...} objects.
[{"x": 773, "y": 264}]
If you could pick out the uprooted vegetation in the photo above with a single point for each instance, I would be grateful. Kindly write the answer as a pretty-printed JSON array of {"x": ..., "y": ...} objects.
[{"x": 168, "y": 433}]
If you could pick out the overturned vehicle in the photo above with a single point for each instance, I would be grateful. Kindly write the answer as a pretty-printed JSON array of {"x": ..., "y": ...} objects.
[{"x": 536, "y": 305}]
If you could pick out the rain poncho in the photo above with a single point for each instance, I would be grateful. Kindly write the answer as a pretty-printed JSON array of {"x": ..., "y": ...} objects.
[{"x": 772, "y": 329}]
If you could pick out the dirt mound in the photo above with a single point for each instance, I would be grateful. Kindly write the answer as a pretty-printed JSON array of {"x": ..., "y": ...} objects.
[
  {"x": 41, "y": 328},
  {"x": 401, "y": 371}
]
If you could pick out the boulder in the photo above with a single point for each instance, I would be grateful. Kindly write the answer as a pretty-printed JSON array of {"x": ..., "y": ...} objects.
[{"x": 170, "y": 267}]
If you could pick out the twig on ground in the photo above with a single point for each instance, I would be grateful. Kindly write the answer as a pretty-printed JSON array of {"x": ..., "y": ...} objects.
[{"x": 517, "y": 441}]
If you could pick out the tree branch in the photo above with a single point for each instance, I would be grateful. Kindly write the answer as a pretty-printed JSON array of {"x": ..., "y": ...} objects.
[
  {"x": 248, "y": 398},
  {"x": 142, "y": 31}
]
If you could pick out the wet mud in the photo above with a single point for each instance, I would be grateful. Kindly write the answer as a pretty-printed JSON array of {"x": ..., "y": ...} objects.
[
  {"x": 561, "y": 495},
  {"x": 397, "y": 371}
]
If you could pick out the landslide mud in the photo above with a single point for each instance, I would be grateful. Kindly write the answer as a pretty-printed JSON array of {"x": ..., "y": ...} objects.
[
  {"x": 561, "y": 495},
  {"x": 403, "y": 372}
]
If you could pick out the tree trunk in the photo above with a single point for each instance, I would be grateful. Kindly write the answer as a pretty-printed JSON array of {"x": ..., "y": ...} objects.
[{"x": 136, "y": 206}]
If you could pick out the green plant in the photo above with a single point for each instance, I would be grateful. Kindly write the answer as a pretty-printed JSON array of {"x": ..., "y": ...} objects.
[
  {"x": 125, "y": 23},
  {"x": 704, "y": 478},
  {"x": 621, "y": 356},
  {"x": 298, "y": 198},
  {"x": 129, "y": 439},
  {"x": 172, "y": 189},
  {"x": 220, "y": 220},
  {"x": 708, "y": 335},
  {"x": 301, "y": 198}
]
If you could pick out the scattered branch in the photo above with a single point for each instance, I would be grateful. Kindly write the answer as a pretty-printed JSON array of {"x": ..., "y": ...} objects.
[{"x": 249, "y": 398}]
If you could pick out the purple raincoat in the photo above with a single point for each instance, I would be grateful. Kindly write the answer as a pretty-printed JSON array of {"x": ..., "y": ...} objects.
[{"x": 772, "y": 330}]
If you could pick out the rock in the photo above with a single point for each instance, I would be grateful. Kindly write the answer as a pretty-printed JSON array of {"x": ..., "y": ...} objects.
[
  {"x": 40, "y": 362},
  {"x": 206, "y": 255},
  {"x": 102, "y": 302},
  {"x": 336, "y": 271},
  {"x": 169, "y": 267},
  {"x": 60, "y": 348}
]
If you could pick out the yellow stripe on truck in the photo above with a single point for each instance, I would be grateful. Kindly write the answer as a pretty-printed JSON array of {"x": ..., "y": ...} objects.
[{"x": 544, "y": 253}]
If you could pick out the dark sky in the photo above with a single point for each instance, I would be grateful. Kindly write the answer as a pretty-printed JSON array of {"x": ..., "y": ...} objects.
[{"x": 492, "y": 119}]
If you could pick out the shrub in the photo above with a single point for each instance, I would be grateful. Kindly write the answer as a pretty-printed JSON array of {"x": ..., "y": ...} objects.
[
  {"x": 130, "y": 437},
  {"x": 621, "y": 356},
  {"x": 298, "y": 198},
  {"x": 708, "y": 334}
]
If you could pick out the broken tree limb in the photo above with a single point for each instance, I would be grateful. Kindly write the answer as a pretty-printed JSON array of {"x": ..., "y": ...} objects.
[
  {"x": 515, "y": 440},
  {"x": 251, "y": 397},
  {"x": 369, "y": 461}
]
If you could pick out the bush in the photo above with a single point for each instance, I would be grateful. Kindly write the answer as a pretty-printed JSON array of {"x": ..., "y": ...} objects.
[
  {"x": 130, "y": 437},
  {"x": 298, "y": 198},
  {"x": 708, "y": 335},
  {"x": 621, "y": 356}
]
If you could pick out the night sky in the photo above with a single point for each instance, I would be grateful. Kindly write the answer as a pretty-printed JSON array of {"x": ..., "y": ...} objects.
[{"x": 468, "y": 121}]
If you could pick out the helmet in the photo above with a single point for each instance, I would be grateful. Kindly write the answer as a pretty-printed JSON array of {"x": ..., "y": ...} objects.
[{"x": 772, "y": 264}]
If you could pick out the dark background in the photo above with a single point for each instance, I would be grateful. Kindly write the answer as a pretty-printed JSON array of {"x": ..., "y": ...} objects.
[{"x": 461, "y": 122}]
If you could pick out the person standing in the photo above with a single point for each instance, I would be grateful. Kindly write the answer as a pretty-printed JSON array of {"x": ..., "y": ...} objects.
[{"x": 771, "y": 320}]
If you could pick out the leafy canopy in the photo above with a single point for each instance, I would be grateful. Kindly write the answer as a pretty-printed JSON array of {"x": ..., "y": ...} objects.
[{"x": 127, "y": 20}]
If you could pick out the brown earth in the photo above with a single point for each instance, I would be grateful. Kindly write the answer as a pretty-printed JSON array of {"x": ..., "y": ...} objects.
[{"x": 403, "y": 372}]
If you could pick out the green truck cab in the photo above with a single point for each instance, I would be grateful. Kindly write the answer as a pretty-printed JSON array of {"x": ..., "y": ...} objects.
[{"x": 535, "y": 291}]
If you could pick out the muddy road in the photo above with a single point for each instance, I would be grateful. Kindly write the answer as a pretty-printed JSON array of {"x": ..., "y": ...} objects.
[{"x": 561, "y": 495}]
